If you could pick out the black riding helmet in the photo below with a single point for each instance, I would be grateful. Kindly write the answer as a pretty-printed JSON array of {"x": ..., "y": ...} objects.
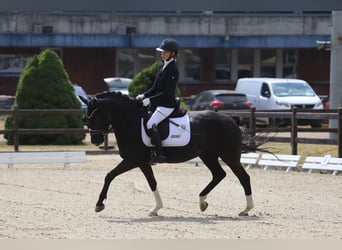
[{"x": 169, "y": 45}]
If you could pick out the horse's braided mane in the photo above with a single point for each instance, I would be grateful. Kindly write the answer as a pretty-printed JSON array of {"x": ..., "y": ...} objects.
[
  {"x": 117, "y": 95},
  {"x": 112, "y": 95}
]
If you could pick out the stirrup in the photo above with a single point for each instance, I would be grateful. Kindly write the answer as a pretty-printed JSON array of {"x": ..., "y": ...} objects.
[
  {"x": 157, "y": 158},
  {"x": 160, "y": 159}
]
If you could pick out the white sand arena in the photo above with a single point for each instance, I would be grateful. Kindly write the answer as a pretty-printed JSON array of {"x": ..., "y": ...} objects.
[{"x": 50, "y": 202}]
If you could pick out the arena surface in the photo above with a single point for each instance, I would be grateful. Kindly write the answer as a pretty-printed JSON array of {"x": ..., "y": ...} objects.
[{"x": 50, "y": 202}]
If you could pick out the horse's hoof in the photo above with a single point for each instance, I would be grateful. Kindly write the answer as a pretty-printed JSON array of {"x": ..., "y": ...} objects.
[
  {"x": 153, "y": 214},
  {"x": 203, "y": 206},
  {"x": 99, "y": 208},
  {"x": 243, "y": 213}
]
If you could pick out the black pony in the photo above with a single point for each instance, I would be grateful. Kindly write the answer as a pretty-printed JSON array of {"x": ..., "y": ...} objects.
[{"x": 213, "y": 136}]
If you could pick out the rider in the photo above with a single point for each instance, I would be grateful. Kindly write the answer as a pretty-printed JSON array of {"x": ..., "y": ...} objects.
[{"x": 162, "y": 94}]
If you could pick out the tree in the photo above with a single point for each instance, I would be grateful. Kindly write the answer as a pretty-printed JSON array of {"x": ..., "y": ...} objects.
[
  {"x": 44, "y": 84},
  {"x": 143, "y": 80}
]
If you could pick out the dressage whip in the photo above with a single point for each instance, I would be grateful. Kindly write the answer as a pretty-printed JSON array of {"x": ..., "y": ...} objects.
[{"x": 174, "y": 123}]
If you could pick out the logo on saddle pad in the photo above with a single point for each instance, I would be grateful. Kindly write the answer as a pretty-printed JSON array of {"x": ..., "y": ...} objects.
[{"x": 174, "y": 132}]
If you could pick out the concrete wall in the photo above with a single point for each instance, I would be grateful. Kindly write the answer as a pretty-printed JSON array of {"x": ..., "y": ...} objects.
[
  {"x": 79, "y": 36},
  {"x": 23, "y": 23}
]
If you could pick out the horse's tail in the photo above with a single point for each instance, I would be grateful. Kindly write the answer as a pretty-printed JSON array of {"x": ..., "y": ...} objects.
[{"x": 254, "y": 143}]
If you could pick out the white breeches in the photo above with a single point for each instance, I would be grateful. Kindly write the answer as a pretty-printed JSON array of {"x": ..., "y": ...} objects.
[{"x": 159, "y": 114}]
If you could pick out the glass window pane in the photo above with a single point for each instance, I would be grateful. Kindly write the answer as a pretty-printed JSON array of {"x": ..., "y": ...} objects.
[
  {"x": 245, "y": 62},
  {"x": 191, "y": 64},
  {"x": 268, "y": 62},
  {"x": 146, "y": 57},
  {"x": 222, "y": 64},
  {"x": 290, "y": 63},
  {"x": 231, "y": 98},
  {"x": 125, "y": 63}
]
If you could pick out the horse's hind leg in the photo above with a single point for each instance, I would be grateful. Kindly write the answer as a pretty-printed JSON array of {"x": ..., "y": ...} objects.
[
  {"x": 244, "y": 179},
  {"x": 217, "y": 175},
  {"x": 148, "y": 173}
]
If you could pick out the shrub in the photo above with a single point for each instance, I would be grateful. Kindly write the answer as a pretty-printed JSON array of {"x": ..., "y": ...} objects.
[
  {"x": 144, "y": 79},
  {"x": 44, "y": 84}
]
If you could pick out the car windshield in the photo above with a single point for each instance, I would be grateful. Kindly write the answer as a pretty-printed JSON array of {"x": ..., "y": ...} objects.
[
  {"x": 283, "y": 89},
  {"x": 231, "y": 98}
]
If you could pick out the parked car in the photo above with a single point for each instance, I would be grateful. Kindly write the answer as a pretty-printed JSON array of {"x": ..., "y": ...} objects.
[
  {"x": 6, "y": 102},
  {"x": 326, "y": 102},
  {"x": 118, "y": 84},
  {"x": 221, "y": 99},
  {"x": 326, "y": 105},
  {"x": 280, "y": 93},
  {"x": 79, "y": 91}
]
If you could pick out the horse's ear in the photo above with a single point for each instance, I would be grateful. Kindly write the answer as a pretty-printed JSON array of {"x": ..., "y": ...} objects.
[{"x": 84, "y": 100}]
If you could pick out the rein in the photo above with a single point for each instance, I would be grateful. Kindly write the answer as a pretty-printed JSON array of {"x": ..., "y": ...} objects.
[
  {"x": 98, "y": 131},
  {"x": 118, "y": 124}
]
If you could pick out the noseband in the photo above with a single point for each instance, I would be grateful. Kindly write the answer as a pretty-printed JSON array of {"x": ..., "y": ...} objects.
[{"x": 98, "y": 131}]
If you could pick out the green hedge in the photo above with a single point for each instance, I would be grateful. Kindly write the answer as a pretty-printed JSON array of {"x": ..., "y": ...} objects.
[{"x": 44, "y": 84}]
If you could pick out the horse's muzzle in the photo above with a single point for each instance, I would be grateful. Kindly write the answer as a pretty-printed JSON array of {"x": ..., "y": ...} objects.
[
  {"x": 96, "y": 138},
  {"x": 97, "y": 141}
]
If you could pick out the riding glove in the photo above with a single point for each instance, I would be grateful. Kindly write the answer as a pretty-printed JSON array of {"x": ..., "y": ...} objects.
[
  {"x": 140, "y": 97},
  {"x": 146, "y": 102}
]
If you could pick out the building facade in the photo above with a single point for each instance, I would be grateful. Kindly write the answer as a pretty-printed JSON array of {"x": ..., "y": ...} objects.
[{"x": 217, "y": 48}]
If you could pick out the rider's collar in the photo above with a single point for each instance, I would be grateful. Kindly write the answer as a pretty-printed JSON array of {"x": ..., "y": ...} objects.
[{"x": 167, "y": 63}]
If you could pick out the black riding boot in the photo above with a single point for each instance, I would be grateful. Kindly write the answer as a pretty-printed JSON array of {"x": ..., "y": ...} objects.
[{"x": 157, "y": 156}]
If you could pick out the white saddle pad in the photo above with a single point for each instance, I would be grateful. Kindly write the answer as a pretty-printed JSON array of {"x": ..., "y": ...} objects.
[{"x": 178, "y": 136}]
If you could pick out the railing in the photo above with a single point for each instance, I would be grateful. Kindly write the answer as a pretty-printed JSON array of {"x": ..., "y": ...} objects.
[
  {"x": 16, "y": 131},
  {"x": 294, "y": 115},
  {"x": 252, "y": 115}
]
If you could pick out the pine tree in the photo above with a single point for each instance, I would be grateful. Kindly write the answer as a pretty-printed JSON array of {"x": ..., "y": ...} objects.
[{"x": 44, "y": 84}]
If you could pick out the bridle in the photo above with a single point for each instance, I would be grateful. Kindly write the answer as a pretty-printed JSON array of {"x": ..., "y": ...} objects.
[
  {"x": 98, "y": 131},
  {"x": 118, "y": 124},
  {"x": 92, "y": 113}
]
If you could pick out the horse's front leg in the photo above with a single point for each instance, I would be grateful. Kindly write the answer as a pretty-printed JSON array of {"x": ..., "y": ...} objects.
[
  {"x": 148, "y": 173},
  {"x": 123, "y": 166},
  {"x": 249, "y": 206}
]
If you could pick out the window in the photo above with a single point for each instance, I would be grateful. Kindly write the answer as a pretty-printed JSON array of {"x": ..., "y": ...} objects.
[
  {"x": 11, "y": 65},
  {"x": 131, "y": 61},
  {"x": 191, "y": 64},
  {"x": 265, "y": 90},
  {"x": 267, "y": 62},
  {"x": 201, "y": 98},
  {"x": 125, "y": 63},
  {"x": 290, "y": 63},
  {"x": 146, "y": 57},
  {"x": 245, "y": 62},
  {"x": 292, "y": 89},
  {"x": 222, "y": 64}
]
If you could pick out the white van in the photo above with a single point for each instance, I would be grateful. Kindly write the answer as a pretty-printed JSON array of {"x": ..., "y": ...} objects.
[{"x": 280, "y": 93}]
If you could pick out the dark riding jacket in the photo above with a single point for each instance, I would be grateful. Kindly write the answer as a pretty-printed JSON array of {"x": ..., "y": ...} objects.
[{"x": 163, "y": 90}]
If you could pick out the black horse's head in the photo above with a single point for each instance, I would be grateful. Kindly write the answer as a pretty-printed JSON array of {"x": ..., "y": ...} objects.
[
  {"x": 98, "y": 120},
  {"x": 106, "y": 111}
]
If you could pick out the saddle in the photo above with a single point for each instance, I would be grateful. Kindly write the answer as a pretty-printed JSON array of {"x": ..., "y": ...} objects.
[{"x": 173, "y": 130}]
